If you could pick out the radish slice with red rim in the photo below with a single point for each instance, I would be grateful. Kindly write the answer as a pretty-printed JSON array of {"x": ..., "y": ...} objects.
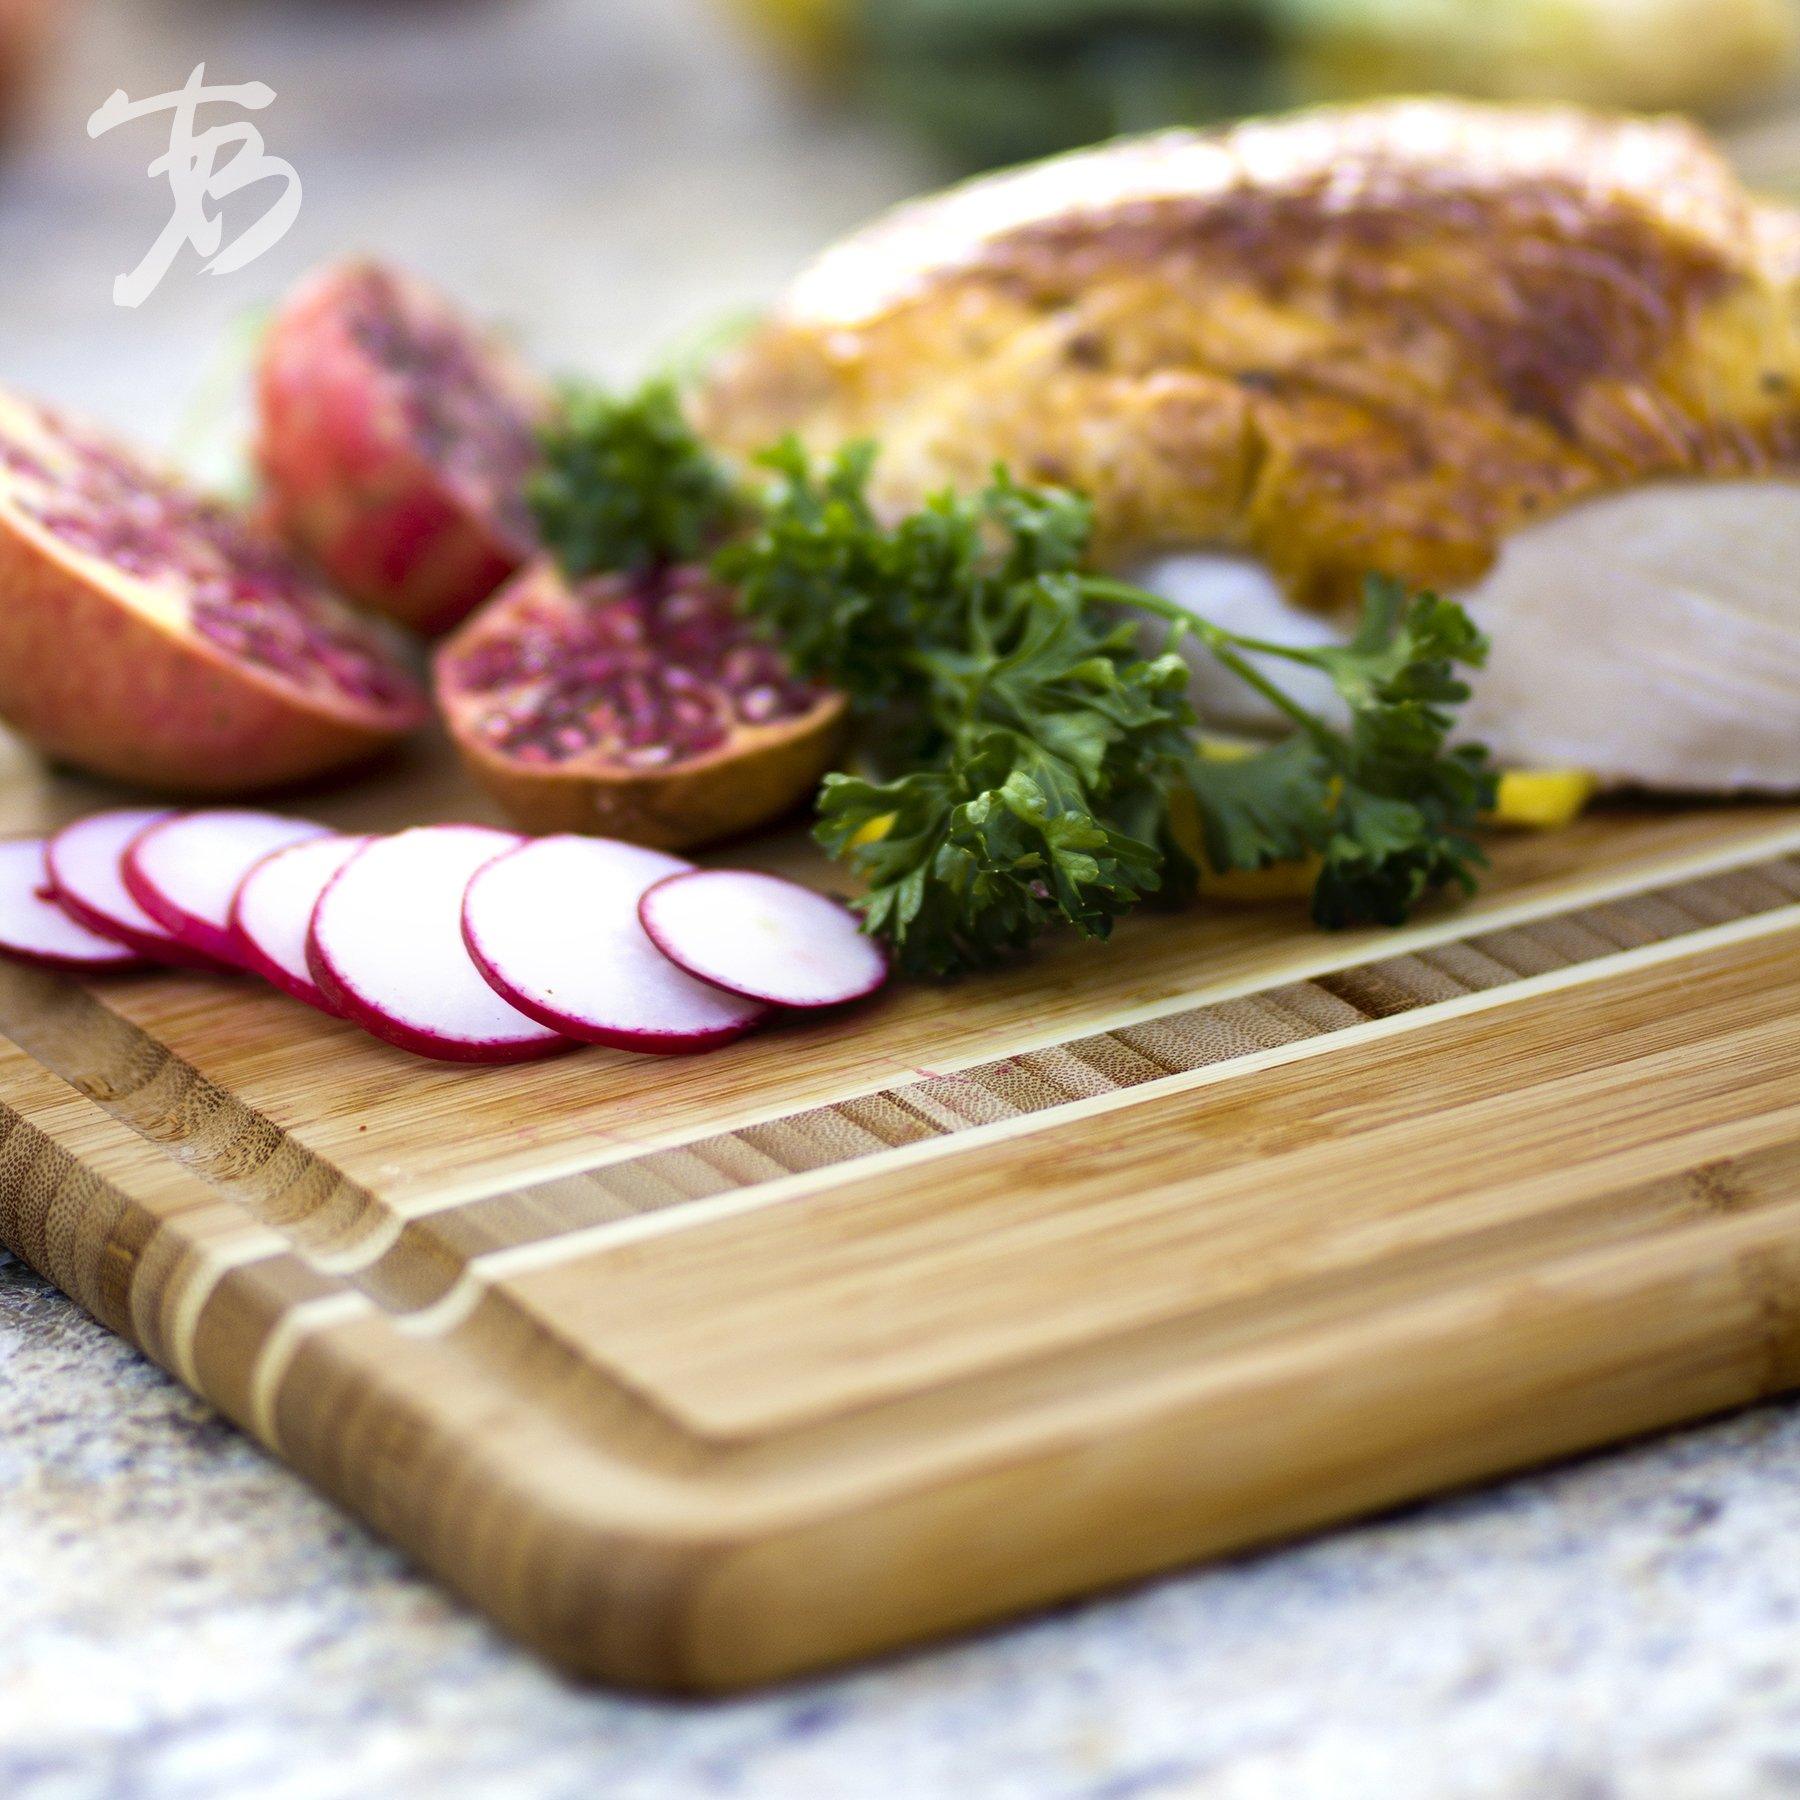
[
  {"x": 386, "y": 946},
  {"x": 34, "y": 928},
  {"x": 272, "y": 913},
  {"x": 86, "y": 863},
  {"x": 185, "y": 871},
  {"x": 764, "y": 937},
  {"x": 554, "y": 927}
]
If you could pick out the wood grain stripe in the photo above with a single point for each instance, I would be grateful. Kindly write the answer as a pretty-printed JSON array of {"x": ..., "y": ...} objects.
[
  {"x": 547, "y": 1252},
  {"x": 432, "y": 1266},
  {"x": 168, "y": 1102},
  {"x": 423, "y": 1261},
  {"x": 402, "y": 1127},
  {"x": 424, "y": 1258},
  {"x": 900, "y": 1282}
]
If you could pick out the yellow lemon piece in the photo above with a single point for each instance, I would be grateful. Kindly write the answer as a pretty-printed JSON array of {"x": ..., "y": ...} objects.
[
  {"x": 1237, "y": 887},
  {"x": 812, "y": 33},
  {"x": 874, "y": 831},
  {"x": 1542, "y": 799},
  {"x": 1227, "y": 749},
  {"x": 1258, "y": 887},
  {"x": 1184, "y": 823}
]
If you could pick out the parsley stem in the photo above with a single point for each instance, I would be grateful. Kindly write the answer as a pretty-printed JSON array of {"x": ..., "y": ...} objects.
[
  {"x": 1225, "y": 647},
  {"x": 1123, "y": 593},
  {"x": 1223, "y": 644}
]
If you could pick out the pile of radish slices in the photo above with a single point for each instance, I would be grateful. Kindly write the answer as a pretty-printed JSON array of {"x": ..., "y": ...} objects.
[{"x": 454, "y": 941}]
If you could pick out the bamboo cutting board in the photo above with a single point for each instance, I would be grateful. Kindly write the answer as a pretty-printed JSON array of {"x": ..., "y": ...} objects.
[{"x": 696, "y": 1373}]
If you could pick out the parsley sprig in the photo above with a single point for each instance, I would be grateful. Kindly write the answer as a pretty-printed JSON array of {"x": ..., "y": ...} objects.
[
  {"x": 1023, "y": 749},
  {"x": 1026, "y": 757},
  {"x": 1387, "y": 805},
  {"x": 1029, "y": 755},
  {"x": 624, "y": 484}
]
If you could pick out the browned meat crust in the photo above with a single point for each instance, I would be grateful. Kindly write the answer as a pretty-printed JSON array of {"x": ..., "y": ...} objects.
[{"x": 1377, "y": 337}]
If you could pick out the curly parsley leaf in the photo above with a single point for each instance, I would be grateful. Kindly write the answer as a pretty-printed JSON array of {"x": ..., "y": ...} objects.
[
  {"x": 1026, "y": 758},
  {"x": 1033, "y": 753},
  {"x": 1031, "y": 787},
  {"x": 978, "y": 858},
  {"x": 626, "y": 485},
  {"x": 1387, "y": 805},
  {"x": 1024, "y": 749},
  {"x": 1272, "y": 805}
]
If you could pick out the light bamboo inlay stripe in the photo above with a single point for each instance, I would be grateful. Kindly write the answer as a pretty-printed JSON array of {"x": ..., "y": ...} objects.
[
  {"x": 421, "y": 1261},
  {"x": 480, "y": 1273}
]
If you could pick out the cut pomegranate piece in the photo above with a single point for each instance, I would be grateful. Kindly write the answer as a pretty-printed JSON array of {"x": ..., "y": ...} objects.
[
  {"x": 272, "y": 913},
  {"x": 34, "y": 928},
  {"x": 635, "y": 708},
  {"x": 386, "y": 946},
  {"x": 149, "y": 634},
  {"x": 86, "y": 861},
  {"x": 761, "y": 936},
  {"x": 554, "y": 927},
  {"x": 185, "y": 871},
  {"x": 395, "y": 441}
]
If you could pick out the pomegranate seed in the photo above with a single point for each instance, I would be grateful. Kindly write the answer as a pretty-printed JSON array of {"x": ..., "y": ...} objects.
[
  {"x": 243, "y": 595},
  {"x": 639, "y": 676},
  {"x": 455, "y": 413}
]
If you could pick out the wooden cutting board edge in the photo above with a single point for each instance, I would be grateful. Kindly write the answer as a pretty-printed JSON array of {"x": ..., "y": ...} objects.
[{"x": 707, "y": 1589}]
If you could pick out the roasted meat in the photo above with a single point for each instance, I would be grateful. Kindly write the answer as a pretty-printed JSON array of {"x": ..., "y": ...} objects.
[{"x": 1403, "y": 337}]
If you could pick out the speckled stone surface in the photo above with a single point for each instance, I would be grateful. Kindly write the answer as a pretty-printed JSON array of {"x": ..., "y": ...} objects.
[{"x": 180, "y": 1619}]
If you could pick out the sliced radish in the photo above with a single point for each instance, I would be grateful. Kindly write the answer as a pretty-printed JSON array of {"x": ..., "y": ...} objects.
[
  {"x": 86, "y": 862},
  {"x": 184, "y": 871},
  {"x": 386, "y": 946},
  {"x": 763, "y": 937},
  {"x": 273, "y": 910},
  {"x": 554, "y": 927},
  {"x": 35, "y": 928}
]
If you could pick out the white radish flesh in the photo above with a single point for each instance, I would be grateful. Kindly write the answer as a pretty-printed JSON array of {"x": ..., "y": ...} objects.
[
  {"x": 35, "y": 928},
  {"x": 185, "y": 871},
  {"x": 763, "y": 937},
  {"x": 272, "y": 913},
  {"x": 86, "y": 862},
  {"x": 386, "y": 946},
  {"x": 554, "y": 927}
]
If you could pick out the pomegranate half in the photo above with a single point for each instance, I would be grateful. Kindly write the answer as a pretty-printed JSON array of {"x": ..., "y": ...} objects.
[
  {"x": 394, "y": 442},
  {"x": 148, "y": 633},
  {"x": 636, "y": 707}
]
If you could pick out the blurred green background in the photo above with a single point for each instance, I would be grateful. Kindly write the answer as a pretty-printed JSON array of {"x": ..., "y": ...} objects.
[
  {"x": 993, "y": 81},
  {"x": 611, "y": 177}
]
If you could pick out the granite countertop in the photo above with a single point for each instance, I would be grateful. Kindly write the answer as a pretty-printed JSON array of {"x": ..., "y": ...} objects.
[{"x": 183, "y": 1620}]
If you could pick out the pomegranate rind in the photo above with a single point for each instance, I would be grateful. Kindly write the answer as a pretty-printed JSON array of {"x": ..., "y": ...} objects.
[
  {"x": 178, "y": 843},
  {"x": 348, "y": 481},
  {"x": 86, "y": 866},
  {"x": 106, "y": 671},
  {"x": 249, "y": 945},
  {"x": 351, "y": 991},
  {"x": 764, "y": 937},
  {"x": 758, "y": 775},
  {"x": 36, "y": 928},
  {"x": 557, "y": 917}
]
